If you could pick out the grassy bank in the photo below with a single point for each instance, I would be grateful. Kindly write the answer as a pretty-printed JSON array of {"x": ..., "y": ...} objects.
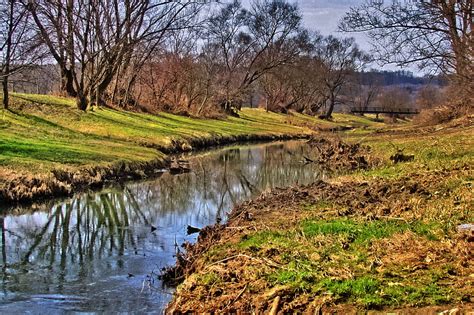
[
  {"x": 390, "y": 237},
  {"x": 48, "y": 147}
]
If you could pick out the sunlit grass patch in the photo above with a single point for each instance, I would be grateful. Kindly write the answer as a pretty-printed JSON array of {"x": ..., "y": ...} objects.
[
  {"x": 431, "y": 152},
  {"x": 363, "y": 232},
  {"x": 266, "y": 239},
  {"x": 209, "y": 278},
  {"x": 369, "y": 291}
]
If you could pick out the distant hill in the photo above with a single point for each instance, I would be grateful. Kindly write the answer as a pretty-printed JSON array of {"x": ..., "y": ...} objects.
[{"x": 402, "y": 77}]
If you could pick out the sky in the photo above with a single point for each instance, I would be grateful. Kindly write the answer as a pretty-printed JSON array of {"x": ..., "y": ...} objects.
[{"x": 324, "y": 16}]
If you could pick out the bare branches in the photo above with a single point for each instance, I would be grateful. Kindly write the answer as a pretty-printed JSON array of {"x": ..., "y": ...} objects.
[
  {"x": 252, "y": 42},
  {"x": 431, "y": 34},
  {"x": 92, "y": 41},
  {"x": 20, "y": 46}
]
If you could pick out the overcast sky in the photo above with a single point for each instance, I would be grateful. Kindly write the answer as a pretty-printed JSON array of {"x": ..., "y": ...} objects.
[{"x": 324, "y": 16}]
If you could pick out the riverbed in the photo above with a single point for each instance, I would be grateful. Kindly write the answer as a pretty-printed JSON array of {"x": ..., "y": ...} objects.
[{"x": 102, "y": 251}]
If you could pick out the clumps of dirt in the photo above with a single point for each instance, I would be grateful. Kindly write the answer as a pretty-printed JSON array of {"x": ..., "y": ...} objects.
[
  {"x": 335, "y": 154},
  {"x": 222, "y": 277},
  {"x": 399, "y": 156},
  {"x": 14, "y": 189}
]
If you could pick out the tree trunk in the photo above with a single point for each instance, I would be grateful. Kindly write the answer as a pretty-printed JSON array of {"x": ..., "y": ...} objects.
[
  {"x": 8, "y": 55},
  {"x": 332, "y": 103},
  {"x": 5, "y": 92},
  {"x": 81, "y": 101},
  {"x": 67, "y": 83},
  {"x": 203, "y": 103}
]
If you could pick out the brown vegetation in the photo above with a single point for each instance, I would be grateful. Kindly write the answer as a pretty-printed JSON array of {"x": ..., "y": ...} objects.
[{"x": 369, "y": 201}]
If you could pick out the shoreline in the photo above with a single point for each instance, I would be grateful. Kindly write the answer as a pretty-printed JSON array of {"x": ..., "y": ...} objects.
[
  {"x": 50, "y": 149},
  {"x": 62, "y": 183}
]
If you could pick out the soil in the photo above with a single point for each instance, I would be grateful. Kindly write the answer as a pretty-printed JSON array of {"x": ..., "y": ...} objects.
[{"x": 332, "y": 152}]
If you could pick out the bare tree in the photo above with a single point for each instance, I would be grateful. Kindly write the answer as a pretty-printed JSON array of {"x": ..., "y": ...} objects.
[
  {"x": 432, "y": 34},
  {"x": 430, "y": 96},
  {"x": 363, "y": 90},
  {"x": 394, "y": 98},
  {"x": 180, "y": 76},
  {"x": 249, "y": 43},
  {"x": 298, "y": 86},
  {"x": 55, "y": 21},
  {"x": 19, "y": 44},
  {"x": 340, "y": 58},
  {"x": 94, "y": 42}
]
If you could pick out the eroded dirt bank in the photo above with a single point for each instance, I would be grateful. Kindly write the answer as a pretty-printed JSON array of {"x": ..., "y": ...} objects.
[
  {"x": 16, "y": 188},
  {"x": 343, "y": 246},
  {"x": 63, "y": 182}
]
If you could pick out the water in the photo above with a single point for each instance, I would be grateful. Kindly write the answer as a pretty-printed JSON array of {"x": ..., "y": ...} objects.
[{"x": 102, "y": 251}]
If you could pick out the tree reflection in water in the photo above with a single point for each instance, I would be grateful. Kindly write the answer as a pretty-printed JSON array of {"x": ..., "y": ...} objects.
[{"x": 105, "y": 235}]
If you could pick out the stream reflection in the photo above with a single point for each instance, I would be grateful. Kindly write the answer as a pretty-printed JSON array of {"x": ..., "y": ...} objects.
[{"x": 101, "y": 251}]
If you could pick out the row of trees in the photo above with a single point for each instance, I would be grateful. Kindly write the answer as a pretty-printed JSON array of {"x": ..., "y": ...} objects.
[
  {"x": 241, "y": 54},
  {"x": 174, "y": 55},
  {"x": 98, "y": 46}
]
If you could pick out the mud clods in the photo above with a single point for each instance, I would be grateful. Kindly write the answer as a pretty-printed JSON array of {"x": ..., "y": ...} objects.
[
  {"x": 336, "y": 154},
  {"x": 401, "y": 157}
]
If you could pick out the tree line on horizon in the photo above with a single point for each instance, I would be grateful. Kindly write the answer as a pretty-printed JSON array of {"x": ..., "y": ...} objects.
[{"x": 202, "y": 58}]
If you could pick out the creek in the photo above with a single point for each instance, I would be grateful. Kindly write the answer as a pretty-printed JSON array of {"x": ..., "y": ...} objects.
[{"x": 102, "y": 251}]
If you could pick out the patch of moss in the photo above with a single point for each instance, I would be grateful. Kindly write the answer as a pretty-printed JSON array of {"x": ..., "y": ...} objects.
[
  {"x": 260, "y": 240},
  {"x": 208, "y": 279}
]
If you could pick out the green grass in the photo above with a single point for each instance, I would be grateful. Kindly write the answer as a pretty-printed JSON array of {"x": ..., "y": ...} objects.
[
  {"x": 43, "y": 132},
  {"x": 209, "y": 279},
  {"x": 357, "y": 233},
  {"x": 364, "y": 232},
  {"x": 267, "y": 239},
  {"x": 432, "y": 152},
  {"x": 370, "y": 291}
]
